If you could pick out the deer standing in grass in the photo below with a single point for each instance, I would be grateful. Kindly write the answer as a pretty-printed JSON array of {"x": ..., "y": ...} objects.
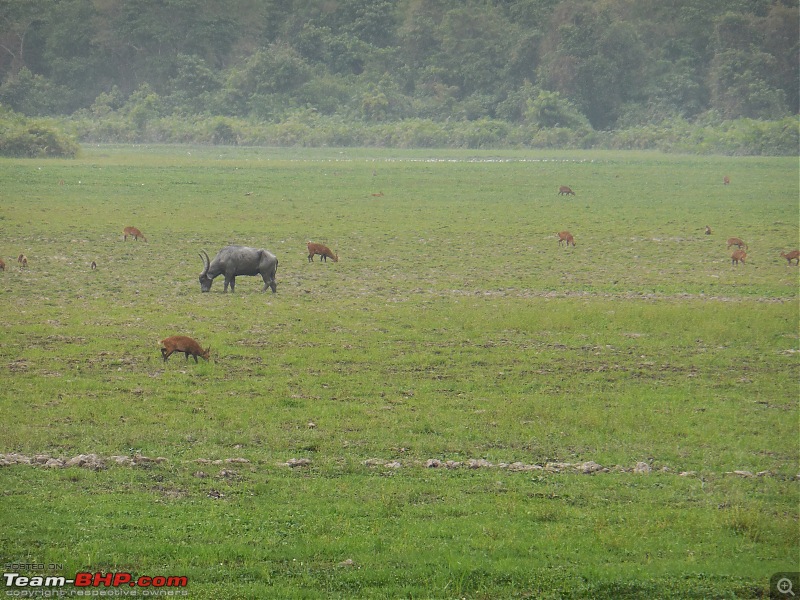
[
  {"x": 565, "y": 189},
  {"x": 182, "y": 343},
  {"x": 566, "y": 236},
  {"x": 737, "y": 242},
  {"x": 134, "y": 233},
  {"x": 708, "y": 230},
  {"x": 738, "y": 255},
  {"x": 2, "y": 265},
  {"x": 323, "y": 251},
  {"x": 793, "y": 255},
  {"x": 22, "y": 260},
  {"x": 726, "y": 180}
]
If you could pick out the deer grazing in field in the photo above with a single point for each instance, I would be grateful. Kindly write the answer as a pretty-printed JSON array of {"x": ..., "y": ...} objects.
[
  {"x": 2, "y": 265},
  {"x": 726, "y": 180},
  {"x": 134, "y": 233},
  {"x": 738, "y": 255},
  {"x": 565, "y": 189},
  {"x": 793, "y": 255},
  {"x": 566, "y": 236},
  {"x": 182, "y": 343},
  {"x": 708, "y": 230},
  {"x": 323, "y": 251},
  {"x": 378, "y": 195},
  {"x": 736, "y": 242},
  {"x": 22, "y": 260}
]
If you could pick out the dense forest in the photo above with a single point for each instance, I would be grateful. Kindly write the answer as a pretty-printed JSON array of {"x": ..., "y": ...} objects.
[{"x": 405, "y": 72}]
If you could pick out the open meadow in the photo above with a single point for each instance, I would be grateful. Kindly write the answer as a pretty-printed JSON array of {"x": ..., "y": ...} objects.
[{"x": 458, "y": 408}]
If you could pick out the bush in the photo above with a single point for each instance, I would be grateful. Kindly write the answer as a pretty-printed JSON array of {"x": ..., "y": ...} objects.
[
  {"x": 23, "y": 138},
  {"x": 483, "y": 133},
  {"x": 308, "y": 128}
]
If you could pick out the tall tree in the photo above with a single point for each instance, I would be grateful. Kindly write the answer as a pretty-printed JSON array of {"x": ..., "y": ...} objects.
[
  {"x": 17, "y": 20},
  {"x": 744, "y": 80}
]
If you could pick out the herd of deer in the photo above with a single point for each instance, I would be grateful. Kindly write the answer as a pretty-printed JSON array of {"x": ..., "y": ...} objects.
[
  {"x": 22, "y": 261},
  {"x": 190, "y": 347},
  {"x": 738, "y": 255}
]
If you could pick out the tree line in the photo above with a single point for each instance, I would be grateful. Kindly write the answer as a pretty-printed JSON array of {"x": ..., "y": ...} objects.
[{"x": 143, "y": 67}]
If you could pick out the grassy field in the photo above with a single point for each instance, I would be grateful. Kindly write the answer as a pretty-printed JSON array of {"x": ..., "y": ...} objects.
[{"x": 458, "y": 408}]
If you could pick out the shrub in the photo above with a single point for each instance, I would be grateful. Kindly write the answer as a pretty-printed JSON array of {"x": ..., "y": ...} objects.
[
  {"x": 20, "y": 137},
  {"x": 309, "y": 128}
]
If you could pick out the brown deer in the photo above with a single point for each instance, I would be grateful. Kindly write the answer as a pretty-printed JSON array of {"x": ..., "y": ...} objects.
[
  {"x": 708, "y": 230},
  {"x": 738, "y": 255},
  {"x": 793, "y": 255},
  {"x": 94, "y": 265},
  {"x": 726, "y": 180},
  {"x": 566, "y": 236},
  {"x": 736, "y": 242},
  {"x": 2, "y": 265},
  {"x": 134, "y": 233},
  {"x": 378, "y": 195},
  {"x": 323, "y": 251},
  {"x": 22, "y": 260},
  {"x": 565, "y": 189},
  {"x": 181, "y": 343}
]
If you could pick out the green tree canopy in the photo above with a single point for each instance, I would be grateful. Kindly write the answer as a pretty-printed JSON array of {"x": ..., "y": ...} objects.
[{"x": 614, "y": 63}]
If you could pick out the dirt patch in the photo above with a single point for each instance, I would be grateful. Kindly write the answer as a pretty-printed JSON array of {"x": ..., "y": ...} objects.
[{"x": 95, "y": 462}]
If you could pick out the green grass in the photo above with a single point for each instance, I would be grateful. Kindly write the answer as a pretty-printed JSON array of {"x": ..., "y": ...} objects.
[{"x": 452, "y": 328}]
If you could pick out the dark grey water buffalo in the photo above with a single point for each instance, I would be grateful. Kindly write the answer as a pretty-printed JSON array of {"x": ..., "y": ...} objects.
[{"x": 238, "y": 260}]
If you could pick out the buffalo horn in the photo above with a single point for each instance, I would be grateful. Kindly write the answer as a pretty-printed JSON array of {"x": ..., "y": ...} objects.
[{"x": 206, "y": 263}]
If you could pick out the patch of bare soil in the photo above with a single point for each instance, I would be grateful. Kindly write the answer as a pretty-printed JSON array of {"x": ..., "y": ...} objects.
[{"x": 96, "y": 462}]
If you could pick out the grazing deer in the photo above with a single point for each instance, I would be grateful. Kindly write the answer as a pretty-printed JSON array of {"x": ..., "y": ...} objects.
[
  {"x": 2, "y": 265},
  {"x": 94, "y": 265},
  {"x": 565, "y": 189},
  {"x": 378, "y": 195},
  {"x": 708, "y": 230},
  {"x": 134, "y": 233},
  {"x": 566, "y": 236},
  {"x": 181, "y": 343},
  {"x": 323, "y": 251},
  {"x": 738, "y": 255},
  {"x": 22, "y": 260},
  {"x": 793, "y": 255},
  {"x": 736, "y": 242},
  {"x": 726, "y": 180}
]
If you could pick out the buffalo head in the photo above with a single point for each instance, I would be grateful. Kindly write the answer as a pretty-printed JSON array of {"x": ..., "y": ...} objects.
[{"x": 205, "y": 280}]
